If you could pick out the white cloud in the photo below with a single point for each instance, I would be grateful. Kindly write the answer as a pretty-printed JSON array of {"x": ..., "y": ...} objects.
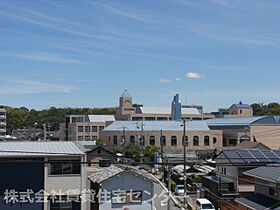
[
  {"x": 33, "y": 87},
  {"x": 164, "y": 80},
  {"x": 177, "y": 79},
  {"x": 193, "y": 75}
]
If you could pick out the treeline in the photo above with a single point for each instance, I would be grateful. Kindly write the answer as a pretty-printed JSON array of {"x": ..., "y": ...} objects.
[
  {"x": 26, "y": 118},
  {"x": 260, "y": 109}
]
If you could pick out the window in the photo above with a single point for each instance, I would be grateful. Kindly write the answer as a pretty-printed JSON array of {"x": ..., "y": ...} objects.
[
  {"x": 65, "y": 168},
  {"x": 152, "y": 140},
  {"x": 132, "y": 139},
  {"x": 163, "y": 140},
  {"x": 206, "y": 141},
  {"x": 224, "y": 142},
  {"x": 94, "y": 128},
  {"x": 60, "y": 204},
  {"x": 195, "y": 141},
  {"x": 273, "y": 191},
  {"x": 80, "y": 138},
  {"x": 214, "y": 140},
  {"x": 80, "y": 129},
  {"x": 87, "y": 138},
  {"x": 115, "y": 139},
  {"x": 87, "y": 129},
  {"x": 225, "y": 171},
  {"x": 173, "y": 141},
  {"x": 142, "y": 141},
  {"x": 240, "y": 111},
  {"x": 98, "y": 151},
  {"x": 186, "y": 142},
  {"x": 94, "y": 137},
  {"x": 232, "y": 142},
  {"x": 101, "y": 128}
]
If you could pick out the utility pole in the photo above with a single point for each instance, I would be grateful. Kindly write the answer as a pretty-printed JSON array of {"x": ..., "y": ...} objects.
[
  {"x": 45, "y": 132},
  {"x": 185, "y": 176},
  {"x": 142, "y": 140},
  {"x": 123, "y": 140},
  {"x": 161, "y": 149},
  {"x": 169, "y": 186}
]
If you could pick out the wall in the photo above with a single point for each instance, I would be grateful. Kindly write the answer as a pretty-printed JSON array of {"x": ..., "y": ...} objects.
[
  {"x": 107, "y": 137},
  {"x": 126, "y": 181},
  {"x": 264, "y": 189},
  {"x": 267, "y": 135}
]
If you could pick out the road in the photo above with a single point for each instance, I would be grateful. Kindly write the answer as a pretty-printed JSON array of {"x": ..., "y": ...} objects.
[{"x": 161, "y": 199}]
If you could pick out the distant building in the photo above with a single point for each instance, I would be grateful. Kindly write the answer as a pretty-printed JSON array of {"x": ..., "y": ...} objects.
[
  {"x": 84, "y": 127},
  {"x": 199, "y": 136},
  {"x": 262, "y": 129},
  {"x": 126, "y": 111},
  {"x": 236, "y": 110},
  {"x": 176, "y": 108},
  {"x": 129, "y": 188},
  {"x": 267, "y": 192},
  {"x": 3, "y": 119}
]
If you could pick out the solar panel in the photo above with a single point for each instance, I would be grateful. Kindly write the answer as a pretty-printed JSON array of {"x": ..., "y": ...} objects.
[
  {"x": 244, "y": 154},
  {"x": 269, "y": 154},
  {"x": 277, "y": 152},
  {"x": 257, "y": 154},
  {"x": 233, "y": 156}
]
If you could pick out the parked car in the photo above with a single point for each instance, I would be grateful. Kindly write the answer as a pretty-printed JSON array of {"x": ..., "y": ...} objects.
[
  {"x": 179, "y": 190},
  {"x": 203, "y": 203}
]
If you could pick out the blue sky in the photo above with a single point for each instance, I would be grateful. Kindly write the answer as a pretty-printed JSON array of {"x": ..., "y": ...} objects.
[{"x": 68, "y": 53}]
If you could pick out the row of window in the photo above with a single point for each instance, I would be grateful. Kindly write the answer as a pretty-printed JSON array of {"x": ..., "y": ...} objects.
[
  {"x": 152, "y": 140},
  {"x": 87, "y": 128},
  {"x": 86, "y": 138},
  {"x": 65, "y": 168}
]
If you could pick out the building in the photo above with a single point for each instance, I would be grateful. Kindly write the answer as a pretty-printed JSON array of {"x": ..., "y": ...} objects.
[
  {"x": 126, "y": 111},
  {"x": 98, "y": 153},
  {"x": 199, "y": 136},
  {"x": 3, "y": 123},
  {"x": 37, "y": 175},
  {"x": 267, "y": 191},
  {"x": 232, "y": 164},
  {"x": 221, "y": 187},
  {"x": 263, "y": 129},
  {"x": 236, "y": 110},
  {"x": 128, "y": 188},
  {"x": 84, "y": 127}
]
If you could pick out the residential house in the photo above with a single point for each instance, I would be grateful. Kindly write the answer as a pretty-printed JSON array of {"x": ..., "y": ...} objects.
[{"x": 267, "y": 189}]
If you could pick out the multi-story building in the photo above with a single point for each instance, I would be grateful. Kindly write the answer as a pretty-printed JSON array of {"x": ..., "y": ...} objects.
[
  {"x": 42, "y": 175},
  {"x": 126, "y": 111},
  {"x": 84, "y": 127},
  {"x": 3, "y": 119},
  {"x": 236, "y": 110},
  {"x": 198, "y": 134},
  {"x": 263, "y": 129}
]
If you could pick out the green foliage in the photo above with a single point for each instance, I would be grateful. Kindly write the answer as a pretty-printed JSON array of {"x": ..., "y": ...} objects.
[
  {"x": 149, "y": 152},
  {"x": 260, "y": 109},
  {"x": 99, "y": 142},
  {"x": 197, "y": 179},
  {"x": 25, "y": 118},
  {"x": 132, "y": 151}
]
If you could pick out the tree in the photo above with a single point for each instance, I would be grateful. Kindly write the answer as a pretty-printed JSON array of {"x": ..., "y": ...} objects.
[
  {"x": 99, "y": 142},
  {"x": 149, "y": 152}
]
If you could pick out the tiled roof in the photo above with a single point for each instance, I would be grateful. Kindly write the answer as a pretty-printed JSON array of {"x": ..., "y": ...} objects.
[
  {"x": 259, "y": 202},
  {"x": 106, "y": 173},
  {"x": 268, "y": 173},
  {"x": 157, "y": 125},
  {"x": 28, "y": 148}
]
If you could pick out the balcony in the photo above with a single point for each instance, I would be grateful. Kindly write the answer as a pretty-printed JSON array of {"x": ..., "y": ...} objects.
[{"x": 2, "y": 116}]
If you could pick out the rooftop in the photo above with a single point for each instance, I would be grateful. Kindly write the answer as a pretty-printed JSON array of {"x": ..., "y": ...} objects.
[
  {"x": 27, "y": 148},
  {"x": 101, "y": 118},
  {"x": 268, "y": 173},
  {"x": 157, "y": 125},
  {"x": 243, "y": 121},
  {"x": 106, "y": 173},
  {"x": 125, "y": 94},
  {"x": 243, "y": 106},
  {"x": 259, "y": 202},
  {"x": 167, "y": 110}
]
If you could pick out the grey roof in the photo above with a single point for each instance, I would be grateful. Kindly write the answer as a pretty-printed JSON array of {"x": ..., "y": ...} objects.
[
  {"x": 28, "y": 148},
  {"x": 243, "y": 121},
  {"x": 167, "y": 110},
  {"x": 218, "y": 179},
  {"x": 268, "y": 173},
  {"x": 106, "y": 173},
  {"x": 157, "y": 125},
  {"x": 125, "y": 94},
  {"x": 101, "y": 118},
  {"x": 259, "y": 202},
  {"x": 242, "y": 106}
]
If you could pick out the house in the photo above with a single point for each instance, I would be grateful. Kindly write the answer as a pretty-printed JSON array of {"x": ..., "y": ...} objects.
[
  {"x": 100, "y": 153},
  {"x": 232, "y": 164},
  {"x": 122, "y": 188},
  {"x": 34, "y": 172},
  {"x": 221, "y": 187},
  {"x": 267, "y": 191}
]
